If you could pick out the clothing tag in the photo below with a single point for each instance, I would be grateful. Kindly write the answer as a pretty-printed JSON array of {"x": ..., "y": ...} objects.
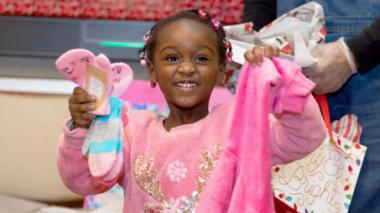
[
  {"x": 96, "y": 83},
  {"x": 239, "y": 48}
]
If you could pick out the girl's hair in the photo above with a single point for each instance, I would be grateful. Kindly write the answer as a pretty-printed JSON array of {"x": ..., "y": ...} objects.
[{"x": 201, "y": 16}]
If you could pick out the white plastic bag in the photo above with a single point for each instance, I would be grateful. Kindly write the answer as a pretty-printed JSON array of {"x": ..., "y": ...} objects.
[{"x": 295, "y": 33}]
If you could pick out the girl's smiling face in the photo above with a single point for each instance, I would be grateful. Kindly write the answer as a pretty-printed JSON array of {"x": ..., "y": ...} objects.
[{"x": 186, "y": 63}]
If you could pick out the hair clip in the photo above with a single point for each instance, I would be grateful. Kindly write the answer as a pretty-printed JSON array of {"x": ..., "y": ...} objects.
[
  {"x": 215, "y": 24},
  {"x": 228, "y": 47},
  {"x": 227, "y": 76},
  {"x": 147, "y": 36},
  {"x": 226, "y": 44},
  {"x": 202, "y": 14},
  {"x": 142, "y": 58},
  {"x": 229, "y": 56}
]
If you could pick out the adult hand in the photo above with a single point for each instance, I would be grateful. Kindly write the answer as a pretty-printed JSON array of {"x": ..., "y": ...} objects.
[{"x": 335, "y": 66}]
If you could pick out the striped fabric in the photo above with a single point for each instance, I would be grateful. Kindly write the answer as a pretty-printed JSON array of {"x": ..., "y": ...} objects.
[
  {"x": 104, "y": 142},
  {"x": 348, "y": 127}
]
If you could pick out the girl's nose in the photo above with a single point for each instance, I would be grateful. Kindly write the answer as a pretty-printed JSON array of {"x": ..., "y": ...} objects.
[{"x": 186, "y": 68}]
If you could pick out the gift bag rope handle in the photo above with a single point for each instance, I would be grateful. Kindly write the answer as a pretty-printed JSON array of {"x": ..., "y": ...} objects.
[{"x": 323, "y": 104}]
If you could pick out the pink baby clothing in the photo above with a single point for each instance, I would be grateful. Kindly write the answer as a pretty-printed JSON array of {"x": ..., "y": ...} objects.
[
  {"x": 90, "y": 72},
  {"x": 241, "y": 182},
  {"x": 166, "y": 171},
  {"x": 104, "y": 142}
]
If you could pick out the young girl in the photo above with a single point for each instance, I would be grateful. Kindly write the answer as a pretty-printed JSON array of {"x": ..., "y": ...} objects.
[{"x": 167, "y": 160}]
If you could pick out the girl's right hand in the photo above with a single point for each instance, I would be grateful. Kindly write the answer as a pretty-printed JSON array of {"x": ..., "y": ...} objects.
[
  {"x": 80, "y": 103},
  {"x": 256, "y": 54}
]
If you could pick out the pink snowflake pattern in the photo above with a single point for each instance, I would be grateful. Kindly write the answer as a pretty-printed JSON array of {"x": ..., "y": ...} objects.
[{"x": 176, "y": 171}]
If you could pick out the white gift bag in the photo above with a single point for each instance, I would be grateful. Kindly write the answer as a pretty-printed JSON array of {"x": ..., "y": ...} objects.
[{"x": 325, "y": 180}]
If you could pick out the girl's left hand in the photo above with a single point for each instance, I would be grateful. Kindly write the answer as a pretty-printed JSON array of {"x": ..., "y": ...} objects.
[{"x": 255, "y": 56}]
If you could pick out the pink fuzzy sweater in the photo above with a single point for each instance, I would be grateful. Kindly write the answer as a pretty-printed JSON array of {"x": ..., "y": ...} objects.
[{"x": 166, "y": 171}]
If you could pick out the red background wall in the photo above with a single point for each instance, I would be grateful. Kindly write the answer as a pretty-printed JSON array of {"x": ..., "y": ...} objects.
[{"x": 227, "y": 11}]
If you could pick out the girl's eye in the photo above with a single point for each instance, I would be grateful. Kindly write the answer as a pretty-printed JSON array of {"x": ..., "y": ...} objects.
[
  {"x": 172, "y": 58},
  {"x": 201, "y": 58}
]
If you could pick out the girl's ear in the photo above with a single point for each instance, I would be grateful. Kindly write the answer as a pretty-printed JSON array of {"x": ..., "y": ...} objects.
[{"x": 152, "y": 74}]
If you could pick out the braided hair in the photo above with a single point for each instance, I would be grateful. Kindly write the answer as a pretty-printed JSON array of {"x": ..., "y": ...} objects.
[{"x": 201, "y": 16}]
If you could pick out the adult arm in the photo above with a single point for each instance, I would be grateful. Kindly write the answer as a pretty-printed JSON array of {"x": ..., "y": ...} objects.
[
  {"x": 260, "y": 12},
  {"x": 366, "y": 46},
  {"x": 338, "y": 60}
]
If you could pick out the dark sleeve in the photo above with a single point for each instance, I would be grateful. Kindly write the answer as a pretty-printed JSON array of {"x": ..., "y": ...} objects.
[
  {"x": 260, "y": 12},
  {"x": 366, "y": 47}
]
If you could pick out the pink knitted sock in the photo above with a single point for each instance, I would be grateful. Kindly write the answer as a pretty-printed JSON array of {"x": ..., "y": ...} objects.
[
  {"x": 104, "y": 142},
  {"x": 72, "y": 64},
  {"x": 122, "y": 76},
  {"x": 79, "y": 66}
]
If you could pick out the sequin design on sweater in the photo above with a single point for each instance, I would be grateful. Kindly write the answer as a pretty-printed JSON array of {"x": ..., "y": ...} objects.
[
  {"x": 146, "y": 178},
  {"x": 208, "y": 165}
]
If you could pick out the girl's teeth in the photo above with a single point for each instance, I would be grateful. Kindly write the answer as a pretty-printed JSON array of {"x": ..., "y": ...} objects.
[{"x": 186, "y": 85}]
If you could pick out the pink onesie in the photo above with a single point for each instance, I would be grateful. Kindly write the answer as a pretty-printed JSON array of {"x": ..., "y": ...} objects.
[
  {"x": 241, "y": 182},
  {"x": 167, "y": 171}
]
